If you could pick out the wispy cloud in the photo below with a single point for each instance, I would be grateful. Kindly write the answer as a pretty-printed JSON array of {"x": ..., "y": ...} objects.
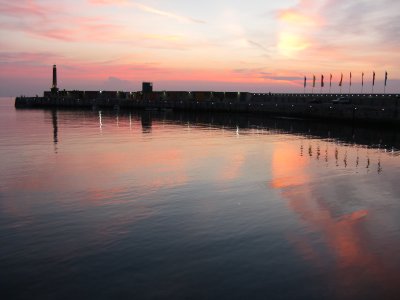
[
  {"x": 118, "y": 2},
  {"x": 29, "y": 58},
  {"x": 23, "y": 8},
  {"x": 149, "y": 9},
  {"x": 260, "y": 73},
  {"x": 283, "y": 78},
  {"x": 163, "y": 13},
  {"x": 44, "y": 21},
  {"x": 257, "y": 45},
  {"x": 363, "y": 20}
]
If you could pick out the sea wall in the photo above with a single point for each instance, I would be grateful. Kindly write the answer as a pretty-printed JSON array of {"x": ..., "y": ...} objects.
[{"x": 378, "y": 108}]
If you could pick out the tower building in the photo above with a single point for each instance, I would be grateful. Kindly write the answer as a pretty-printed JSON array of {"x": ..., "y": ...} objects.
[
  {"x": 147, "y": 87},
  {"x": 54, "y": 88}
]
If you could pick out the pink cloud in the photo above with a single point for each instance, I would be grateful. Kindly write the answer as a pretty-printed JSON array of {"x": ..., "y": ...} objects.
[
  {"x": 24, "y": 8},
  {"x": 44, "y": 21}
]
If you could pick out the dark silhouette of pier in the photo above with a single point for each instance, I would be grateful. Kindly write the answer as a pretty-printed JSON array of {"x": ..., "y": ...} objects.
[{"x": 362, "y": 108}]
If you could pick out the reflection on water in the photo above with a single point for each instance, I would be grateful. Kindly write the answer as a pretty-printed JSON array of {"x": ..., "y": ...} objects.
[
  {"x": 146, "y": 119},
  {"x": 337, "y": 219},
  {"x": 55, "y": 129},
  {"x": 201, "y": 206}
]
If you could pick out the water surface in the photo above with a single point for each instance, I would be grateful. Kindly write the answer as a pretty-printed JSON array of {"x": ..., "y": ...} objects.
[{"x": 146, "y": 205}]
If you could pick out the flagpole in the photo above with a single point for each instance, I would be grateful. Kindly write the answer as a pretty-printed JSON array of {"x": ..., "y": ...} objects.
[
  {"x": 362, "y": 83},
  {"x": 322, "y": 83},
  {"x": 384, "y": 87},
  {"x": 313, "y": 86},
  {"x": 350, "y": 84},
  {"x": 373, "y": 82}
]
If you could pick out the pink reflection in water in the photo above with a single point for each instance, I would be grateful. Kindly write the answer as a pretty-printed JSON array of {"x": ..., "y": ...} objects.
[{"x": 345, "y": 238}]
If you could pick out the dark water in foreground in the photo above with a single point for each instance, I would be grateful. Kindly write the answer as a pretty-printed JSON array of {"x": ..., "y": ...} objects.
[{"x": 171, "y": 206}]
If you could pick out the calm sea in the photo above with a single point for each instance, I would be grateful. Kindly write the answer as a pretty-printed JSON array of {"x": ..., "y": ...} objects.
[{"x": 164, "y": 205}]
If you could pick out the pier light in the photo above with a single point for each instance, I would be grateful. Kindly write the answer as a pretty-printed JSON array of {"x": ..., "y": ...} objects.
[
  {"x": 383, "y": 109},
  {"x": 101, "y": 92}
]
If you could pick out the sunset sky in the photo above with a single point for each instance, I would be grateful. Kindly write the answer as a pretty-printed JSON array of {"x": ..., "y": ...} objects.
[{"x": 219, "y": 45}]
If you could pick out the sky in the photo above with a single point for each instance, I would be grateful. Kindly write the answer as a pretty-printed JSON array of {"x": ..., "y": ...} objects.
[{"x": 218, "y": 45}]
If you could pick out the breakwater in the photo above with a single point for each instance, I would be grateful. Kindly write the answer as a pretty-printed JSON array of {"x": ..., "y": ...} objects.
[{"x": 370, "y": 108}]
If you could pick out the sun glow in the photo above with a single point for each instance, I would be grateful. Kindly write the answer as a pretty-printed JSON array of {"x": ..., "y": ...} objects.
[{"x": 290, "y": 43}]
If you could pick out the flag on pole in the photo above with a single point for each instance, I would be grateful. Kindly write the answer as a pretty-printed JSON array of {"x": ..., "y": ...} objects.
[
  {"x": 313, "y": 85},
  {"x": 322, "y": 80},
  {"x": 373, "y": 79},
  {"x": 386, "y": 77},
  {"x": 362, "y": 79},
  {"x": 341, "y": 80},
  {"x": 330, "y": 81},
  {"x": 305, "y": 81},
  {"x": 350, "y": 78}
]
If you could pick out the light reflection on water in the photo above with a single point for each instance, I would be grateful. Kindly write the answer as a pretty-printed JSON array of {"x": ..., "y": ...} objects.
[{"x": 166, "y": 205}]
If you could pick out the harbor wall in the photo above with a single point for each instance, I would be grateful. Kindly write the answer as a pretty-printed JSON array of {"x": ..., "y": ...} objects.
[{"x": 378, "y": 108}]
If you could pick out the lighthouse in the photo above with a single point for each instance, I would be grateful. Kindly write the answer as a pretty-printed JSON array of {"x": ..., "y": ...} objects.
[{"x": 54, "y": 88}]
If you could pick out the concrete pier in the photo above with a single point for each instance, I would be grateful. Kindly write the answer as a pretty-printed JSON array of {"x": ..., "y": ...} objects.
[{"x": 371, "y": 108}]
